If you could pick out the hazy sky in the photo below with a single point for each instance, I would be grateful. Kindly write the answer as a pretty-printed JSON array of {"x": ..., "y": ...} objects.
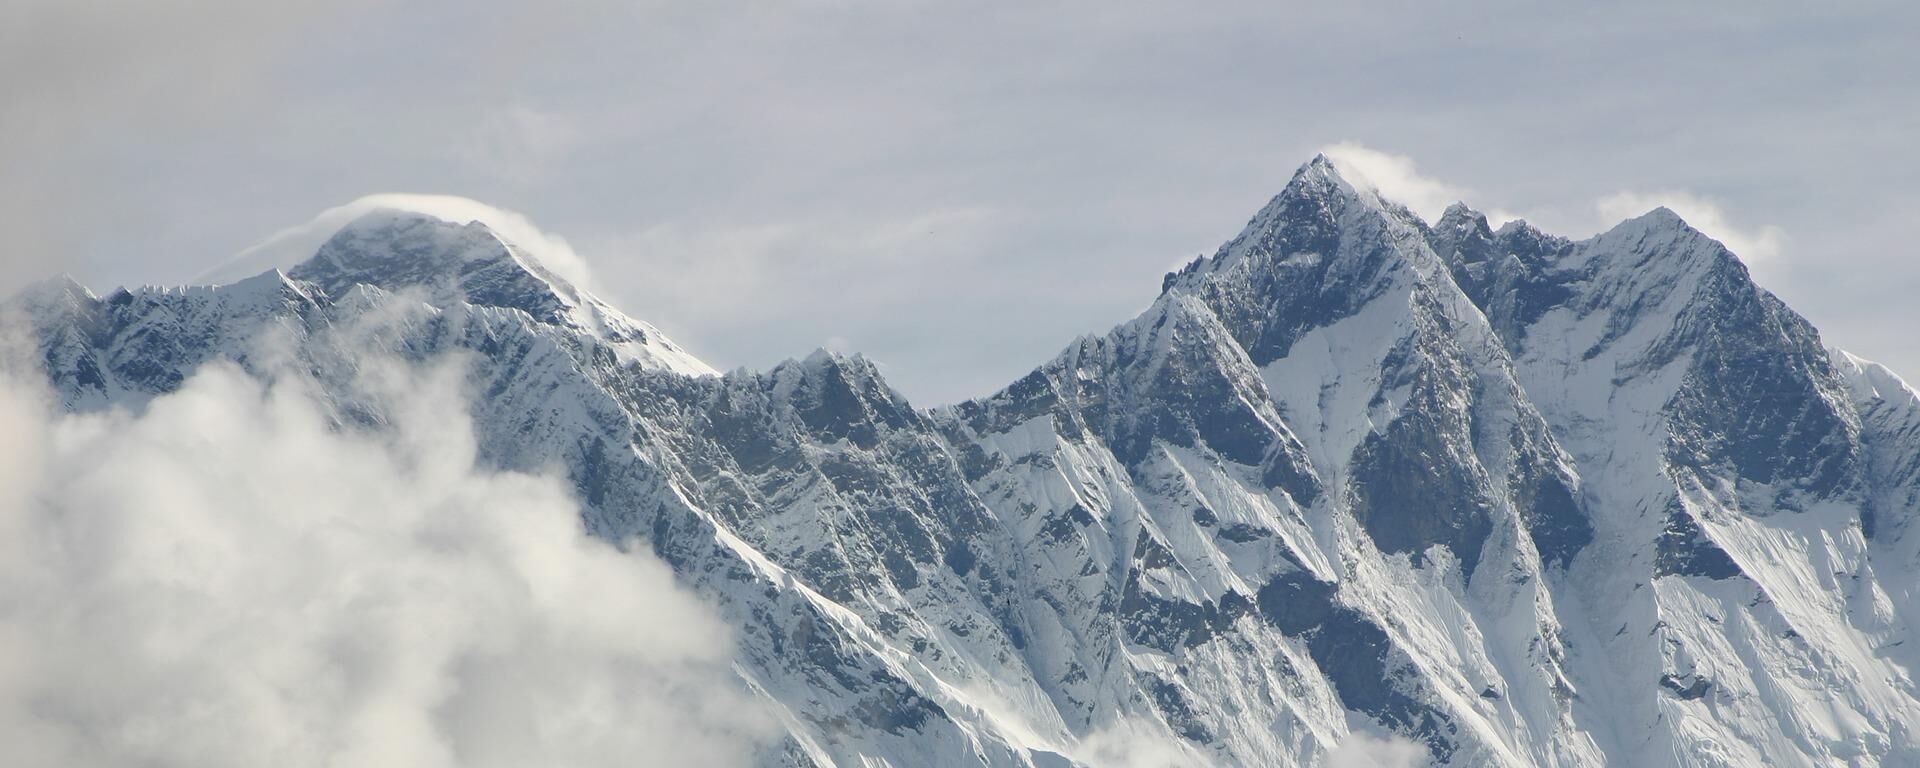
[{"x": 954, "y": 189}]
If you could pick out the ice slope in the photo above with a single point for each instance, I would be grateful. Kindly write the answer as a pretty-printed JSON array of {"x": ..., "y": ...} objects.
[
  {"x": 1524, "y": 500},
  {"x": 1724, "y": 458}
]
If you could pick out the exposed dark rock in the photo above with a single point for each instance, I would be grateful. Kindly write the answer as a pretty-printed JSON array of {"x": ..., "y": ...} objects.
[
  {"x": 1685, "y": 689},
  {"x": 1685, "y": 550}
]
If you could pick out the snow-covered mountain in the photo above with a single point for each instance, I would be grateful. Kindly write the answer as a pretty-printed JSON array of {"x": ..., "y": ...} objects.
[{"x": 1524, "y": 500}]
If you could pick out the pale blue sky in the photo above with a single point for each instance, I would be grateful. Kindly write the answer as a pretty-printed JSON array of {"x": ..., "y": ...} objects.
[{"x": 955, "y": 190}]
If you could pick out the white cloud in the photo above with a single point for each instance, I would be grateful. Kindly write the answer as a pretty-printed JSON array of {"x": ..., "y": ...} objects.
[
  {"x": 1757, "y": 246},
  {"x": 1394, "y": 177},
  {"x": 1137, "y": 744},
  {"x": 1128, "y": 742},
  {"x": 295, "y": 244},
  {"x": 226, "y": 579},
  {"x": 1363, "y": 750}
]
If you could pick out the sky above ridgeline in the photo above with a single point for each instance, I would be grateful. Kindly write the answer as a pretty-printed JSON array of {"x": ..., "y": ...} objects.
[{"x": 956, "y": 190}]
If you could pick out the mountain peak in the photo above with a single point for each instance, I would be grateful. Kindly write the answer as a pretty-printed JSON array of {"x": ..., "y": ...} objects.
[
  {"x": 1304, "y": 217},
  {"x": 396, "y": 218},
  {"x": 1460, "y": 213},
  {"x": 1319, "y": 166},
  {"x": 1459, "y": 220},
  {"x": 60, "y": 288},
  {"x": 395, "y": 248},
  {"x": 1320, "y": 178},
  {"x": 828, "y": 362},
  {"x": 44, "y": 301},
  {"x": 401, "y": 250},
  {"x": 1660, "y": 219},
  {"x": 1664, "y": 230},
  {"x": 1462, "y": 237},
  {"x": 1664, "y": 214}
]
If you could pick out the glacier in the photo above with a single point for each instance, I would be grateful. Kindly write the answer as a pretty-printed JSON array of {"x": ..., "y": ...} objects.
[{"x": 1520, "y": 499}]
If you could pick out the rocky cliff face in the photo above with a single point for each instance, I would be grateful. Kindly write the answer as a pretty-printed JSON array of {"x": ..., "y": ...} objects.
[{"x": 1524, "y": 500}]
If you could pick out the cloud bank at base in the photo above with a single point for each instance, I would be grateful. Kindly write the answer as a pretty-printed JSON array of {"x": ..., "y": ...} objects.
[
  {"x": 226, "y": 579},
  {"x": 1363, "y": 750},
  {"x": 1130, "y": 744}
]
